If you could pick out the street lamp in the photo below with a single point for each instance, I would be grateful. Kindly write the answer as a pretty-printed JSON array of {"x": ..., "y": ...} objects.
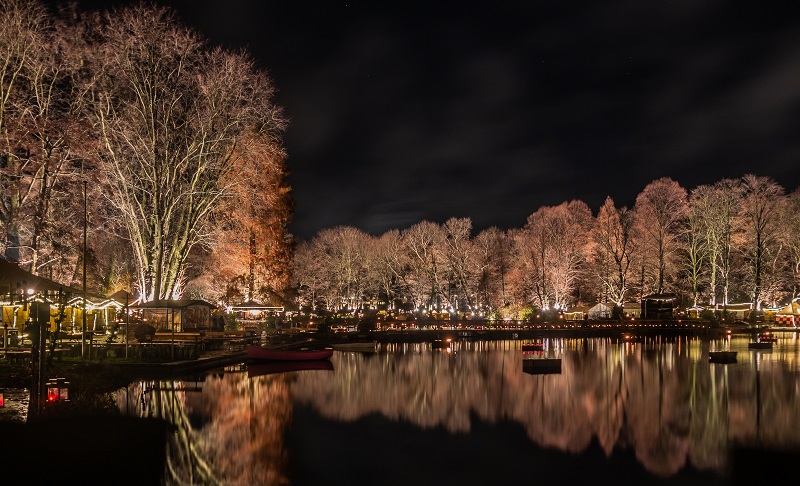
[{"x": 85, "y": 226}]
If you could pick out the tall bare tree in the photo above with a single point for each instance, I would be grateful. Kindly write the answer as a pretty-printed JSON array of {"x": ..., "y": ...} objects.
[
  {"x": 423, "y": 243},
  {"x": 613, "y": 249},
  {"x": 459, "y": 256},
  {"x": 171, "y": 115},
  {"x": 554, "y": 248},
  {"x": 792, "y": 240},
  {"x": 249, "y": 248},
  {"x": 717, "y": 207},
  {"x": 491, "y": 256},
  {"x": 660, "y": 209},
  {"x": 762, "y": 206}
]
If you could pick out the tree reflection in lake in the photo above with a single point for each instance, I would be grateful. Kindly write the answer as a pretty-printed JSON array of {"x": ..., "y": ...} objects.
[
  {"x": 660, "y": 399},
  {"x": 228, "y": 429}
]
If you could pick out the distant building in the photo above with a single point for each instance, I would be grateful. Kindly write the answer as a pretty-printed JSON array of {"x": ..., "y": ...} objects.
[{"x": 659, "y": 306}]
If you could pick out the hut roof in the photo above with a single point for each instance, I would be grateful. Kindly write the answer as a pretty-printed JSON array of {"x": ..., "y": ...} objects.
[
  {"x": 12, "y": 278},
  {"x": 172, "y": 304}
]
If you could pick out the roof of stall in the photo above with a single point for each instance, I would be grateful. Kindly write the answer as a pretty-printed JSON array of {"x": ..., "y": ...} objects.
[
  {"x": 12, "y": 277},
  {"x": 172, "y": 304}
]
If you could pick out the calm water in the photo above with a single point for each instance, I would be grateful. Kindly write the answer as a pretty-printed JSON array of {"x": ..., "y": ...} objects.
[{"x": 618, "y": 413}]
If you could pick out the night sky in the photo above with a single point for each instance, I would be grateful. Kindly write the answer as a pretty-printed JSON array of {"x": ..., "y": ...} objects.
[{"x": 428, "y": 110}]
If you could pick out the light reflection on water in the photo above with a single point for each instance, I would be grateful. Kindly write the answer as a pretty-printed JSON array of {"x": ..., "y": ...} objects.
[{"x": 660, "y": 398}]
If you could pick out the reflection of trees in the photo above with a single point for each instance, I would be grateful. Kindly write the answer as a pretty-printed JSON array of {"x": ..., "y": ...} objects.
[
  {"x": 666, "y": 403},
  {"x": 231, "y": 433}
]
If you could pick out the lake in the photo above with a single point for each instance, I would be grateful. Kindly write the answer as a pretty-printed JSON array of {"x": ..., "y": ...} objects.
[{"x": 651, "y": 412}]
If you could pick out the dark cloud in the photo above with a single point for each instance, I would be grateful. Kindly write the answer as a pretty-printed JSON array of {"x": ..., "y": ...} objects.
[{"x": 425, "y": 110}]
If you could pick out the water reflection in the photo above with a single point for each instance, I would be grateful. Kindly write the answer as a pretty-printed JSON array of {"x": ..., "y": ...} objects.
[
  {"x": 660, "y": 398},
  {"x": 227, "y": 429}
]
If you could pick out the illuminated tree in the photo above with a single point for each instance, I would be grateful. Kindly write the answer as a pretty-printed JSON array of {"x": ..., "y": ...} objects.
[
  {"x": 172, "y": 118},
  {"x": 310, "y": 275},
  {"x": 250, "y": 247},
  {"x": 612, "y": 250},
  {"x": 423, "y": 244},
  {"x": 390, "y": 264},
  {"x": 492, "y": 248},
  {"x": 659, "y": 211},
  {"x": 761, "y": 210},
  {"x": 792, "y": 239},
  {"x": 553, "y": 250},
  {"x": 716, "y": 207},
  {"x": 39, "y": 129},
  {"x": 458, "y": 249}
]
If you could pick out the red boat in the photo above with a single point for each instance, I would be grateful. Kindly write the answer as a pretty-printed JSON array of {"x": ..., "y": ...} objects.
[
  {"x": 273, "y": 367},
  {"x": 257, "y": 352}
]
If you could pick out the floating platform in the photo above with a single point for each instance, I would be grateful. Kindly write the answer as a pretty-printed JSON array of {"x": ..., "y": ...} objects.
[
  {"x": 532, "y": 347},
  {"x": 542, "y": 366},
  {"x": 722, "y": 356},
  {"x": 760, "y": 345}
]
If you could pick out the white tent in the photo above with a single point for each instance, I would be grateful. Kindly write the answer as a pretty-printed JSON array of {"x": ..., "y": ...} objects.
[
  {"x": 601, "y": 310},
  {"x": 789, "y": 314}
]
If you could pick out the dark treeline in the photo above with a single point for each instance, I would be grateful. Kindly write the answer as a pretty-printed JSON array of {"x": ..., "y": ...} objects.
[{"x": 737, "y": 240}]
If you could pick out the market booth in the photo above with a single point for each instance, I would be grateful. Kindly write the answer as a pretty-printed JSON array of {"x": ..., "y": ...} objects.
[
  {"x": 178, "y": 315},
  {"x": 24, "y": 296},
  {"x": 789, "y": 315}
]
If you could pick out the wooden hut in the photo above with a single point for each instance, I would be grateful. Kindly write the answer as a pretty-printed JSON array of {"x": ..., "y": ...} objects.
[{"x": 178, "y": 315}]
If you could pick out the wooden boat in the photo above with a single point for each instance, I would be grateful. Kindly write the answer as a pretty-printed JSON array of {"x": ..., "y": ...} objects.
[
  {"x": 272, "y": 354},
  {"x": 273, "y": 367},
  {"x": 760, "y": 345},
  {"x": 767, "y": 337},
  {"x": 541, "y": 366},
  {"x": 722, "y": 356},
  {"x": 365, "y": 347}
]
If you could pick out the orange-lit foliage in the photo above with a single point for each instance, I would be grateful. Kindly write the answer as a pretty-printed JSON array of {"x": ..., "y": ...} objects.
[{"x": 250, "y": 229}]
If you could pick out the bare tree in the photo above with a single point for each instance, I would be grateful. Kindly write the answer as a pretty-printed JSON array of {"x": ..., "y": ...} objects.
[
  {"x": 491, "y": 263},
  {"x": 613, "y": 249},
  {"x": 249, "y": 248},
  {"x": 391, "y": 264},
  {"x": 660, "y": 209},
  {"x": 792, "y": 240},
  {"x": 171, "y": 117},
  {"x": 695, "y": 248},
  {"x": 554, "y": 249},
  {"x": 310, "y": 275},
  {"x": 423, "y": 243},
  {"x": 345, "y": 254},
  {"x": 760, "y": 215},
  {"x": 717, "y": 207},
  {"x": 459, "y": 255},
  {"x": 39, "y": 130}
]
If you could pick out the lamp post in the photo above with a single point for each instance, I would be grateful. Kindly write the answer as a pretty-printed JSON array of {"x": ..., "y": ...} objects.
[{"x": 83, "y": 317}]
